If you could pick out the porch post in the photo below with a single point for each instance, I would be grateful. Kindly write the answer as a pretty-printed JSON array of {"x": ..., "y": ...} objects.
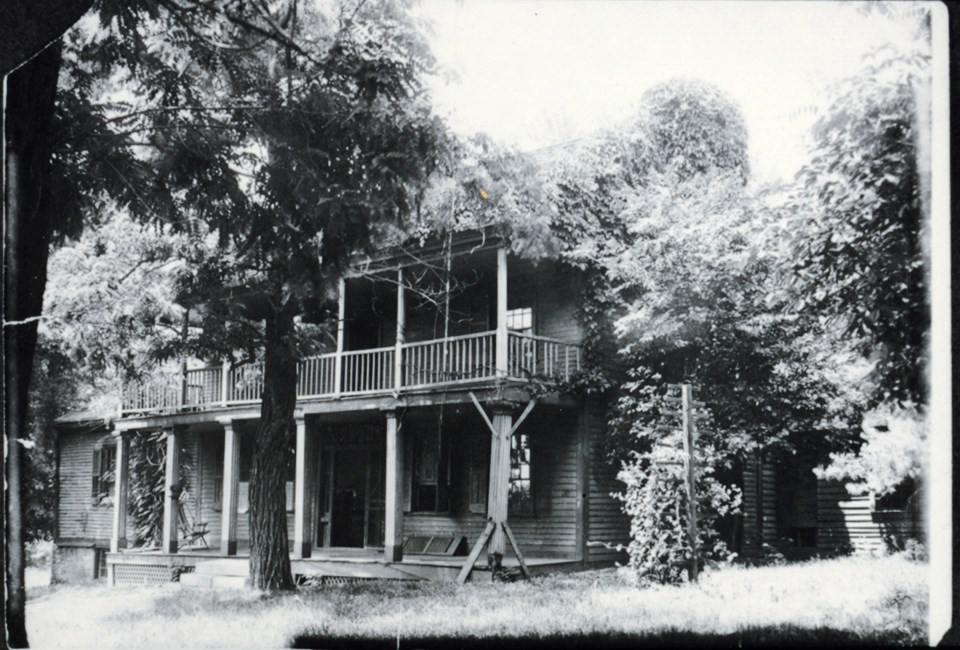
[
  {"x": 118, "y": 538},
  {"x": 502, "y": 360},
  {"x": 225, "y": 384},
  {"x": 499, "y": 490},
  {"x": 302, "y": 493},
  {"x": 401, "y": 327},
  {"x": 338, "y": 360},
  {"x": 171, "y": 492},
  {"x": 393, "y": 528},
  {"x": 228, "y": 499}
]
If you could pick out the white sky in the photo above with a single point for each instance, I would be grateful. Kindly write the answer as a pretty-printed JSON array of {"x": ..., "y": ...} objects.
[{"x": 538, "y": 72}]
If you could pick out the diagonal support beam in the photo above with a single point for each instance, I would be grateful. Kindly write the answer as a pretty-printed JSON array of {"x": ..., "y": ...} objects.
[
  {"x": 475, "y": 553},
  {"x": 516, "y": 550},
  {"x": 523, "y": 416},
  {"x": 483, "y": 413}
]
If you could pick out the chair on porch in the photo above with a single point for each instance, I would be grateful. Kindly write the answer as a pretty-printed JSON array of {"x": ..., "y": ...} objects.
[{"x": 192, "y": 533}]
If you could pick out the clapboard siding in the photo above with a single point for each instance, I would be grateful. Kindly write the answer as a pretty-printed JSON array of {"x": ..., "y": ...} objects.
[
  {"x": 551, "y": 290},
  {"x": 606, "y": 522},
  {"x": 759, "y": 505},
  {"x": 77, "y": 516},
  {"x": 850, "y": 523},
  {"x": 551, "y": 530},
  {"x": 210, "y": 446}
]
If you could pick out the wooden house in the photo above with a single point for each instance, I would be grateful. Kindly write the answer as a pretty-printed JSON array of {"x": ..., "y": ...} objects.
[
  {"x": 432, "y": 441},
  {"x": 417, "y": 435}
]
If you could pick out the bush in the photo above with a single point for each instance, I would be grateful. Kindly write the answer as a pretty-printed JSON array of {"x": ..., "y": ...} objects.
[
  {"x": 656, "y": 498},
  {"x": 39, "y": 553}
]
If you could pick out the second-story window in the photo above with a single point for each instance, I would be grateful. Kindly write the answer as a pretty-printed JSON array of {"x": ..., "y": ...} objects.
[
  {"x": 522, "y": 352},
  {"x": 520, "y": 320}
]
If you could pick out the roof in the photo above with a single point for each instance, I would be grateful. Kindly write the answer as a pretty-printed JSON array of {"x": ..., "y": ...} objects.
[{"x": 82, "y": 418}]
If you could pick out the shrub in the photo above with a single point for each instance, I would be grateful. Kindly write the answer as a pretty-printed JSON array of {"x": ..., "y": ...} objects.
[{"x": 656, "y": 501}]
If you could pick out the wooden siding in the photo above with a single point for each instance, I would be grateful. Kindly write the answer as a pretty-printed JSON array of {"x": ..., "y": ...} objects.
[
  {"x": 759, "y": 505},
  {"x": 550, "y": 531},
  {"x": 551, "y": 290},
  {"x": 77, "y": 516},
  {"x": 606, "y": 522},
  {"x": 210, "y": 449},
  {"x": 850, "y": 523}
]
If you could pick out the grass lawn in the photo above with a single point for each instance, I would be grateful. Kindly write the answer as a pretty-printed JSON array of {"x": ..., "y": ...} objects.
[{"x": 846, "y": 600}]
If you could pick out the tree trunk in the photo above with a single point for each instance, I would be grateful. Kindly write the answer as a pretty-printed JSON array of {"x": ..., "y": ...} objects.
[
  {"x": 29, "y": 99},
  {"x": 269, "y": 545}
]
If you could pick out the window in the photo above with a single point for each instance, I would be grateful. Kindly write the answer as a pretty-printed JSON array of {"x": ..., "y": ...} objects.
[
  {"x": 898, "y": 500},
  {"x": 216, "y": 447},
  {"x": 521, "y": 493},
  {"x": 479, "y": 446},
  {"x": 100, "y": 564},
  {"x": 104, "y": 461},
  {"x": 430, "y": 471},
  {"x": 520, "y": 320}
]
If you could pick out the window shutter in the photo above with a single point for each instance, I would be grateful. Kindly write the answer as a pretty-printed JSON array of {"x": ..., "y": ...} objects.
[
  {"x": 95, "y": 491},
  {"x": 479, "y": 466},
  {"x": 407, "y": 471}
]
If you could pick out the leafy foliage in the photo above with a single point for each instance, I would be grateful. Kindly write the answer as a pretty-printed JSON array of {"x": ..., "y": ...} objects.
[
  {"x": 147, "y": 475},
  {"x": 858, "y": 229},
  {"x": 278, "y": 163},
  {"x": 694, "y": 127},
  {"x": 895, "y": 450},
  {"x": 655, "y": 495}
]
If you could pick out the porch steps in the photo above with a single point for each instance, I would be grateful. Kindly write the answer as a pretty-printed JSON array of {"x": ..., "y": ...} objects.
[{"x": 219, "y": 574}]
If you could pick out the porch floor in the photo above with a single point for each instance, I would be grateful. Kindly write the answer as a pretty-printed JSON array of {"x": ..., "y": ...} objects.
[{"x": 344, "y": 563}]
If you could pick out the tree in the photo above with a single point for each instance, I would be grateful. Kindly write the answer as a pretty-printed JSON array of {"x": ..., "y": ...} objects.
[
  {"x": 694, "y": 127},
  {"x": 894, "y": 451},
  {"x": 858, "y": 224},
  {"x": 30, "y": 214},
  {"x": 327, "y": 150},
  {"x": 687, "y": 259}
]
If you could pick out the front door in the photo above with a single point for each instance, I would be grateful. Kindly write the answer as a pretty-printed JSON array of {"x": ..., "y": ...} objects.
[{"x": 349, "y": 496}]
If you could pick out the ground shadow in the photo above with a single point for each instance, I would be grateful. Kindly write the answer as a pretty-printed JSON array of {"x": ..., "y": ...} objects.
[{"x": 779, "y": 636}]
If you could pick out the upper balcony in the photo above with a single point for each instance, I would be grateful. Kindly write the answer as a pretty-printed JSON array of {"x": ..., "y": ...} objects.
[{"x": 395, "y": 337}]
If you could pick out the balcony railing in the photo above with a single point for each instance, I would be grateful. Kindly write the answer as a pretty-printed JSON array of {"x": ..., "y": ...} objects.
[{"x": 450, "y": 361}]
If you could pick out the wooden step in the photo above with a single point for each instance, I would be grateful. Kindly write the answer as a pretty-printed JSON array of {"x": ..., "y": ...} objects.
[{"x": 224, "y": 567}]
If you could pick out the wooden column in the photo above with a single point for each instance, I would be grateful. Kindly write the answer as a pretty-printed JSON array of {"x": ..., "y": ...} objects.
[
  {"x": 171, "y": 493},
  {"x": 401, "y": 328},
  {"x": 502, "y": 343},
  {"x": 225, "y": 384},
  {"x": 338, "y": 360},
  {"x": 393, "y": 533},
  {"x": 499, "y": 490},
  {"x": 118, "y": 539},
  {"x": 231, "y": 483},
  {"x": 689, "y": 444},
  {"x": 303, "y": 489}
]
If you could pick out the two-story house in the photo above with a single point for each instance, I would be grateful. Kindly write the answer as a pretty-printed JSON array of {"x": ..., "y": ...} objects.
[
  {"x": 434, "y": 421},
  {"x": 434, "y": 439}
]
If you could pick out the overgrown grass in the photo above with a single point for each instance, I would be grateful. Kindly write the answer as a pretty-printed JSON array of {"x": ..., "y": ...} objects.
[{"x": 847, "y": 600}]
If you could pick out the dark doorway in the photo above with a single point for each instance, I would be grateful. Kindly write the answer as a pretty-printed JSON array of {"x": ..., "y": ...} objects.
[{"x": 349, "y": 497}]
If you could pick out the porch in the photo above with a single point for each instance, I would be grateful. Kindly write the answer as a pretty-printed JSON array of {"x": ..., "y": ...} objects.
[
  {"x": 393, "y": 341},
  {"x": 210, "y": 567},
  {"x": 373, "y": 493}
]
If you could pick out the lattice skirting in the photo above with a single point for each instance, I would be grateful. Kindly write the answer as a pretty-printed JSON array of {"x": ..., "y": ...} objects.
[
  {"x": 326, "y": 581},
  {"x": 147, "y": 574}
]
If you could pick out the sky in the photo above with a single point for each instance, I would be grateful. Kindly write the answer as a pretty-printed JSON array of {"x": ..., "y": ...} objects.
[{"x": 534, "y": 73}]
